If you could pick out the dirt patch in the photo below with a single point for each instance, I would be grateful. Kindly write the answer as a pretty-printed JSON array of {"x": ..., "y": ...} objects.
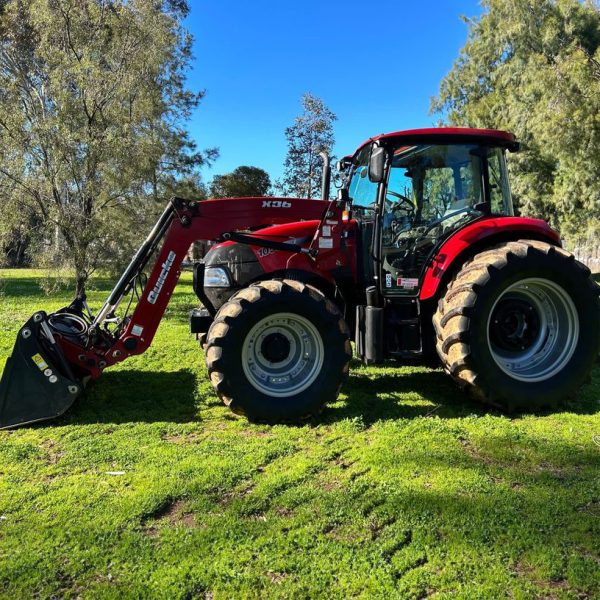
[
  {"x": 257, "y": 516},
  {"x": 275, "y": 577},
  {"x": 592, "y": 508},
  {"x": 345, "y": 533},
  {"x": 182, "y": 438},
  {"x": 339, "y": 461},
  {"x": 248, "y": 433},
  {"x": 376, "y": 527},
  {"x": 283, "y": 511},
  {"x": 173, "y": 513},
  {"x": 527, "y": 571},
  {"x": 225, "y": 498},
  {"x": 52, "y": 450},
  {"x": 330, "y": 485}
]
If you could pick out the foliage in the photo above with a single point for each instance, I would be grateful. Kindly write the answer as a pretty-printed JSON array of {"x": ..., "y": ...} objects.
[
  {"x": 533, "y": 67},
  {"x": 401, "y": 489},
  {"x": 92, "y": 107},
  {"x": 242, "y": 181},
  {"x": 17, "y": 229},
  {"x": 311, "y": 133}
]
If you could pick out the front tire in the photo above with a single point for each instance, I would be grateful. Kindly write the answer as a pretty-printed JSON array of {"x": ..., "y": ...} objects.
[
  {"x": 519, "y": 325},
  {"x": 278, "y": 351}
]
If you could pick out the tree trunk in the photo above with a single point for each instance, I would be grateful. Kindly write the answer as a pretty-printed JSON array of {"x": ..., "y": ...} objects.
[
  {"x": 81, "y": 272},
  {"x": 80, "y": 281}
]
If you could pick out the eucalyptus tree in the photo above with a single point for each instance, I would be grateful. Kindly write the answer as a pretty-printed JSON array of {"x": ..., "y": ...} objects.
[
  {"x": 93, "y": 107},
  {"x": 311, "y": 134}
]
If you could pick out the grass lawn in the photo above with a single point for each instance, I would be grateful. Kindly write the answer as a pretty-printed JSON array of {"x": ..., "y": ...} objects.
[{"x": 150, "y": 488}]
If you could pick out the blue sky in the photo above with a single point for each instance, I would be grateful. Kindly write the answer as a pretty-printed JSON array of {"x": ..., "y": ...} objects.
[{"x": 375, "y": 64}]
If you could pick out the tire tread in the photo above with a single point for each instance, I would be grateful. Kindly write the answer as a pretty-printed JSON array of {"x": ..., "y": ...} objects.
[{"x": 451, "y": 320}]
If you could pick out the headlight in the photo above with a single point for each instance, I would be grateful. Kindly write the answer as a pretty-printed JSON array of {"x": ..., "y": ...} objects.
[{"x": 216, "y": 277}]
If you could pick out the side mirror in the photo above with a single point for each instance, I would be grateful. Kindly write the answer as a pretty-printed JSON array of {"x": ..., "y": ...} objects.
[{"x": 376, "y": 164}]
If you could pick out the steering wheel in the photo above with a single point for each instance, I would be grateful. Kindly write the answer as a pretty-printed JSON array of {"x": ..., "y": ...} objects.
[
  {"x": 436, "y": 222},
  {"x": 425, "y": 230},
  {"x": 403, "y": 199}
]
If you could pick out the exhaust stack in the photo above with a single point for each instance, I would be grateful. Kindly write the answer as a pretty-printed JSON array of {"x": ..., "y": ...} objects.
[{"x": 326, "y": 179}]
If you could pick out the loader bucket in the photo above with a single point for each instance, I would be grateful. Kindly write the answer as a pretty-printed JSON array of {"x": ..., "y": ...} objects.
[{"x": 37, "y": 382}]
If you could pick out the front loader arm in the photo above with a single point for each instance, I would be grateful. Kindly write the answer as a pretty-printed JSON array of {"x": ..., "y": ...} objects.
[{"x": 182, "y": 224}]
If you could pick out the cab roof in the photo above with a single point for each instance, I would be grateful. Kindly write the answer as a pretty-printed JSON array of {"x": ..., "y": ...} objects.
[{"x": 447, "y": 135}]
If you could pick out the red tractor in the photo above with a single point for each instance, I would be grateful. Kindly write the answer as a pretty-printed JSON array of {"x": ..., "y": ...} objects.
[{"x": 419, "y": 259}]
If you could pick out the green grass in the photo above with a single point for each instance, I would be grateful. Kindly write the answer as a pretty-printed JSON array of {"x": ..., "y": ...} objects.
[{"x": 403, "y": 488}]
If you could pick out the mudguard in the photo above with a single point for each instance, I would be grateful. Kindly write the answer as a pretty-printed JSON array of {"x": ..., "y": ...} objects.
[{"x": 37, "y": 382}]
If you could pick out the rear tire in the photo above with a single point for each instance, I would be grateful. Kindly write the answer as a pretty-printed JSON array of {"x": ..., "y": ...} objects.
[
  {"x": 278, "y": 351},
  {"x": 519, "y": 325}
]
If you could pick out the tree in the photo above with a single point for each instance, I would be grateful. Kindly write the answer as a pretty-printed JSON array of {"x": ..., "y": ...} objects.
[
  {"x": 311, "y": 133},
  {"x": 533, "y": 67},
  {"x": 93, "y": 104},
  {"x": 242, "y": 181}
]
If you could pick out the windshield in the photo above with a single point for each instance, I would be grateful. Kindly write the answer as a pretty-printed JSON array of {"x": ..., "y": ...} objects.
[
  {"x": 440, "y": 180},
  {"x": 362, "y": 191}
]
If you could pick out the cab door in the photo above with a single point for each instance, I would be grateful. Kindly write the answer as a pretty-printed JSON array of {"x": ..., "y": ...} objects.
[
  {"x": 363, "y": 195},
  {"x": 432, "y": 191}
]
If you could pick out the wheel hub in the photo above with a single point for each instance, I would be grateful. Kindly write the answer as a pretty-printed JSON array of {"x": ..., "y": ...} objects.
[
  {"x": 275, "y": 347},
  {"x": 282, "y": 354},
  {"x": 533, "y": 330},
  {"x": 515, "y": 324}
]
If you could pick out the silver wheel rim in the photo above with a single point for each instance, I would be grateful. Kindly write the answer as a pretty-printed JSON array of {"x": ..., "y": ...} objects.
[
  {"x": 533, "y": 330},
  {"x": 282, "y": 355}
]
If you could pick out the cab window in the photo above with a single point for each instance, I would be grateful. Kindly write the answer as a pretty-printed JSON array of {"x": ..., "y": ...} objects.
[{"x": 361, "y": 190}]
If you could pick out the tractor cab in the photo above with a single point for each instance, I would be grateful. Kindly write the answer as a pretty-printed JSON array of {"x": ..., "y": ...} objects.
[{"x": 410, "y": 191}]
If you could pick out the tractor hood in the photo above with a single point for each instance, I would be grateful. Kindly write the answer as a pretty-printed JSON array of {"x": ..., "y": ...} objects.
[
  {"x": 231, "y": 266},
  {"x": 299, "y": 232}
]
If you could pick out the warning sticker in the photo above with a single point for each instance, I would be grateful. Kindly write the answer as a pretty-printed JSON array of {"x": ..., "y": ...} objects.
[
  {"x": 407, "y": 282},
  {"x": 137, "y": 330},
  {"x": 330, "y": 222},
  {"x": 41, "y": 364},
  {"x": 326, "y": 230},
  {"x": 325, "y": 242}
]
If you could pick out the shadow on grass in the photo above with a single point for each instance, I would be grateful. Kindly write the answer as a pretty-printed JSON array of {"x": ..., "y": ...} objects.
[
  {"x": 142, "y": 396},
  {"x": 400, "y": 395},
  {"x": 138, "y": 396},
  {"x": 391, "y": 396}
]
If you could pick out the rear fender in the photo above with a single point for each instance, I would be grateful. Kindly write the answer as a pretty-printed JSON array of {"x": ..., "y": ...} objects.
[{"x": 475, "y": 238}]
